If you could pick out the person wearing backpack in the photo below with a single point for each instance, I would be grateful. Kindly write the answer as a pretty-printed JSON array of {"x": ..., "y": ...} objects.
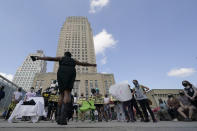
[{"x": 140, "y": 93}]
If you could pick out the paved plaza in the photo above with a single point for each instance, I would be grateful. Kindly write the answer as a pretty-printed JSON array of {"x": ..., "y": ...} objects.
[{"x": 101, "y": 126}]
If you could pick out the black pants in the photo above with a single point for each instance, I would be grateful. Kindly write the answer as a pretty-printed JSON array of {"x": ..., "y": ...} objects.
[
  {"x": 128, "y": 110},
  {"x": 194, "y": 102},
  {"x": 173, "y": 113},
  {"x": 138, "y": 111},
  {"x": 75, "y": 109},
  {"x": 52, "y": 106},
  {"x": 145, "y": 106},
  {"x": 92, "y": 117},
  {"x": 100, "y": 110},
  {"x": 8, "y": 114}
]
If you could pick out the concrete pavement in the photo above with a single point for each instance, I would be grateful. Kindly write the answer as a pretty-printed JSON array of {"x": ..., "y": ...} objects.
[{"x": 101, "y": 126}]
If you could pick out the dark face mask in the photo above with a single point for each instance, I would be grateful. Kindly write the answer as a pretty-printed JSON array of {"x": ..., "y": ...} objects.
[
  {"x": 135, "y": 83},
  {"x": 184, "y": 84}
]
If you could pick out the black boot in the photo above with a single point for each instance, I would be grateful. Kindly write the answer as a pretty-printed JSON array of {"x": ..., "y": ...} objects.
[
  {"x": 58, "y": 114},
  {"x": 69, "y": 110},
  {"x": 62, "y": 118}
]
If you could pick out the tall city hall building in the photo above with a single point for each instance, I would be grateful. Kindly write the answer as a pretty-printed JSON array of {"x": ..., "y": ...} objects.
[{"x": 76, "y": 37}]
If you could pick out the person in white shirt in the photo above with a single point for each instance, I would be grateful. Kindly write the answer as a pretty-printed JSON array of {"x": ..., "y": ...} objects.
[
  {"x": 17, "y": 96},
  {"x": 76, "y": 106},
  {"x": 106, "y": 108},
  {"x": 140, "y": 93},
  {"x": 106, "y": 100},
  {"x": 30, "y": 94}
]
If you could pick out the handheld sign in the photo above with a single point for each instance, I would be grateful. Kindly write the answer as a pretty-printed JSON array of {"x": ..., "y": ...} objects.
[{"x": 121, "y": 91}]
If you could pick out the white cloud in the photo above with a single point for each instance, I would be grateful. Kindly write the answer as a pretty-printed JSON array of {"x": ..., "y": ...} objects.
[
  {"x": 104, "y": 60},
  {"x": 8, "y": 76},
  {"x": 103, "y": 40},
  {"x": 96, "y": 5},
  {"x": 181, "y": 72}
]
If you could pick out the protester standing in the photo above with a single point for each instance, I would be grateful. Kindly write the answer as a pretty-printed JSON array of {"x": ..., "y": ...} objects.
[
  {"x": 106, "y": 108},
  {"x": 76, "y": 106},
  {"x": 119, "y": 111},
  {"x": 134, "y": 104},
  {"x": 99, "y": 101},
  {"x": 140, "y": 92},
  {"x": 128, "y": 109},
  {"x": 66, "y": 77},
  {"x": 17, "y": 96}
]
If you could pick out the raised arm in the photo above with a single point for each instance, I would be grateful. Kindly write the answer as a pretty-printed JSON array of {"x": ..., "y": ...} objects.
[
  {"x": 133, "y": 93},
  {"x": 146, "y": 88},
  {"x": 46, "y": 58},
  {"x": 84, "y": 63}
]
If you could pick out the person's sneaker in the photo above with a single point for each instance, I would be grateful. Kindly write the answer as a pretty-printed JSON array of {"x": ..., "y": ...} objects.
[
  {"x": 187, "y": 120},
  {"x": 175, "y": 119}
]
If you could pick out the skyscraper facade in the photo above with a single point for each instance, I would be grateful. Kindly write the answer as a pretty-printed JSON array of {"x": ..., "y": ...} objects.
[
  {"x": 25, "y": 74},
  {"x": 76, "y": 37}
]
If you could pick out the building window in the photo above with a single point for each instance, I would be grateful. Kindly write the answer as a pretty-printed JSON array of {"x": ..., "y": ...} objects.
[
  {"x": 106, "y": 87},
  {"x": 96, "y": 84},
  {"x": 91, "y": 84},
  {"x": 41, "y": 83},
  {"x": 86, "y": 87},
  {"x": 110, "y": 83},
  {"x": 37, "y": 84}
]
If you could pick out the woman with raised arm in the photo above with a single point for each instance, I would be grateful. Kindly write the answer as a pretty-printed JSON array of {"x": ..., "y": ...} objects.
[{"x": 66, "y": 77}]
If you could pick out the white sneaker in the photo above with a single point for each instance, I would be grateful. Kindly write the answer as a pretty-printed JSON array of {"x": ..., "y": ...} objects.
[{"x": 175, "y": 119}]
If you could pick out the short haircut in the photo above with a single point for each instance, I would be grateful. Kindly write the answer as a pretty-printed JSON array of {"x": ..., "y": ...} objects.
[
  {"x": 135, "y": 81},
  {"x": 68, "y": 54},
  {"x": 19, "y": 89}
]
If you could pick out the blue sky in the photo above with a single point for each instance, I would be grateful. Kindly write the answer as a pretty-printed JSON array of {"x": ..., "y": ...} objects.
[{"x": 154, "y": 41}]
